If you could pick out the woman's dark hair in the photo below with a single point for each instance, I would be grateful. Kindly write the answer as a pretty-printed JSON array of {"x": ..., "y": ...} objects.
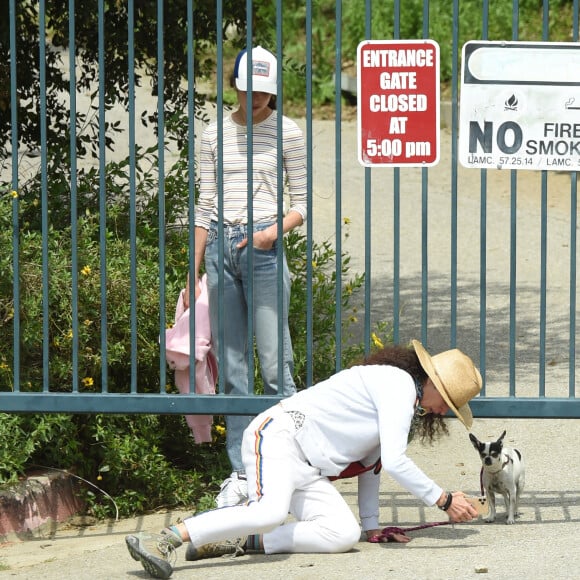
[
  {"x": 430, "y": 427},
  {"x": 398, "y": 356}
]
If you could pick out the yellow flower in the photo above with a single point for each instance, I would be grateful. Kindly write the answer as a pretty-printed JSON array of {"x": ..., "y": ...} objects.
[
  {"x": 220, "y": 429},
  {"x": 14, "y": 193},
  {"x": 99, "y": 477},
  {"x": 346, "y": 221},
  {"x": 88, "y": 381},
  {"x": 377, "y": 341},
  {"x": 69, "y": 334},
  {"x": 86, "y": 271}
]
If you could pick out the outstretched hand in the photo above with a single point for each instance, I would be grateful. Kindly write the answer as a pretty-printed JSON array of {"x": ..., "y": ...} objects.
[{"x": 460, "y": 509}]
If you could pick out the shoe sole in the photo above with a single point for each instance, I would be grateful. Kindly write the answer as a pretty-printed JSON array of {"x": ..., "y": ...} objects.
[{"x": 156, "y": 567}]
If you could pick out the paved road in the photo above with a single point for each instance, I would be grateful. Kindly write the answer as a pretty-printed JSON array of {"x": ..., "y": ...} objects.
[{"x": 542, "y": 544}]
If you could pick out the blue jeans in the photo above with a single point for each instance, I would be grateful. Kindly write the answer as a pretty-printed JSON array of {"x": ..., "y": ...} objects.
[{"x": 234, "y": 369}]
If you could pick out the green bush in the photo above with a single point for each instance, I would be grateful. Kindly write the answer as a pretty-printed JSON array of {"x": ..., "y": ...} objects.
[
  {"x": 130, "y": 463},
  {"x": 60, "y": 307}
]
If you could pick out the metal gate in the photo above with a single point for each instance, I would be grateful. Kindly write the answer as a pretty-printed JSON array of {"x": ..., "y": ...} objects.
[{"x": 482, "y": 260}]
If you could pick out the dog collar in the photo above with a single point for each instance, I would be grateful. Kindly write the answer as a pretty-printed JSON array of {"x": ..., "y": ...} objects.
[{"x": 508, "y": 459}]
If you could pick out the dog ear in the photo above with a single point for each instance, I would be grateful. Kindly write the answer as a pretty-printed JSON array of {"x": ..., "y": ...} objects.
[
  {"x": 474, "y": 441},
  {"x": 501, "y": 437}
]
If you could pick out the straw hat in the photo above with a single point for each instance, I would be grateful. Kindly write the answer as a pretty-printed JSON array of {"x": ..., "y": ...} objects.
[{"x": 454, "y": 376}]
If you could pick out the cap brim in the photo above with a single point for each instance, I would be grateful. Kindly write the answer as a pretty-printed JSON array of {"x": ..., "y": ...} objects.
[
  {"x": 257, "y": 87},
  {"x": 464, "y": 413}
]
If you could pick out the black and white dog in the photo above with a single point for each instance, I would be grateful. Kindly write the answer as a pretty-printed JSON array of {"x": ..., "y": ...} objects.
[{"x": 502, "y": 472}]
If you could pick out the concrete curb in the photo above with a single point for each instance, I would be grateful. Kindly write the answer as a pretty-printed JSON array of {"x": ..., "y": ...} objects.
[{"x": 36, "y": 506}]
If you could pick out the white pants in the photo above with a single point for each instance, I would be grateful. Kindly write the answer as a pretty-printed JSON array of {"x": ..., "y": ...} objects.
[{"x": 281, "y": 481}]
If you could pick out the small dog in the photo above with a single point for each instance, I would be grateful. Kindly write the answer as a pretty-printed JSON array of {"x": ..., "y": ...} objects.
[{"x": 502, "y": 472}]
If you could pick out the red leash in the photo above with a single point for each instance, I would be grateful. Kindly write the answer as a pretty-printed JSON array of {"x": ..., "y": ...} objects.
[{"x": 387, "y": 534}]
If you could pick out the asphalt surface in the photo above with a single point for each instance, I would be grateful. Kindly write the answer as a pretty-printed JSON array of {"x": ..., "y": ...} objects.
[{"x": 542, "y": 544}]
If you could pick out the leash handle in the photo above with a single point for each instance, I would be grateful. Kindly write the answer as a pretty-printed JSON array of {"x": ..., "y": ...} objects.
[{"x": 389, "y": 532}]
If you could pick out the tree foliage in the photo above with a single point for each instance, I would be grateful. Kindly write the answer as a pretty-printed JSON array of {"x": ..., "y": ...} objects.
[{"x": 84, "y": 40}]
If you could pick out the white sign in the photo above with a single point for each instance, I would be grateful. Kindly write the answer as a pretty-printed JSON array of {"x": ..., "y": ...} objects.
[{"x": 520, "y": 106}]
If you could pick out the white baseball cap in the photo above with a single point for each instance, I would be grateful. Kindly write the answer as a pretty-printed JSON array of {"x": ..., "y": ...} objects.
[{"x": 264, "y": 71}]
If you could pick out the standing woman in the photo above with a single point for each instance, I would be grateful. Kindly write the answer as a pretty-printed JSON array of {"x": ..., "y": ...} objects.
[{"x": 267, "y": 146}]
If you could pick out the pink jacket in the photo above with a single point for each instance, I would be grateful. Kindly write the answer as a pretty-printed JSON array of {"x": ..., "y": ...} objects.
[{"x": 206, "y": 368}]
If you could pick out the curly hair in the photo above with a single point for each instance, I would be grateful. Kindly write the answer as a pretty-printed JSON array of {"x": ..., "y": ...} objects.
[{"x": 429, "y": 427}]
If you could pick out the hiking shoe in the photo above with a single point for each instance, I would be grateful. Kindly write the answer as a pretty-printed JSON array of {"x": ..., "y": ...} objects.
[
  {"x": 215, "y": 550},
  {"x": 233, "y": 491},
  {"x": 156, "y": 553}
]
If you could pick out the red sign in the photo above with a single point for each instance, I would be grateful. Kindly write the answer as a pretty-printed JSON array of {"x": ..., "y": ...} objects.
[{"x": 398, "y": 103}]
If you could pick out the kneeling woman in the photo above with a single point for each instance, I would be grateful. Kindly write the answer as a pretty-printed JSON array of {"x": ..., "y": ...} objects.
[{"x": 356, "y": 423}]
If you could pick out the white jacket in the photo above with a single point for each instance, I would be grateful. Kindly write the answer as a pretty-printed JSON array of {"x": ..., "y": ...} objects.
[{"x": 363, "y": 414}]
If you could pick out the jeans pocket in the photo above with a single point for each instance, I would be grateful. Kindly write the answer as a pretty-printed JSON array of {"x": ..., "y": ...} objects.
[
  {"x": 211, "y": 236},
  {"x": 266, "y": 260}
]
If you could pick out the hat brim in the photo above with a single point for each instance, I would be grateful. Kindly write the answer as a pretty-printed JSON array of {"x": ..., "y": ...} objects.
[
  {"x": 462, "y": 413},
  {"x": 257, "y": 86}
]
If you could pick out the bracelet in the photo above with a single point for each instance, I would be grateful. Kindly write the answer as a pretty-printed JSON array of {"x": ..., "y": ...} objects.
[{"x": 447, "y": 503}]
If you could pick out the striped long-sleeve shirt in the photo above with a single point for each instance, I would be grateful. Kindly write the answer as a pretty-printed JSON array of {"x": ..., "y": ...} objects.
[{"x": 265, "y": 171}]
